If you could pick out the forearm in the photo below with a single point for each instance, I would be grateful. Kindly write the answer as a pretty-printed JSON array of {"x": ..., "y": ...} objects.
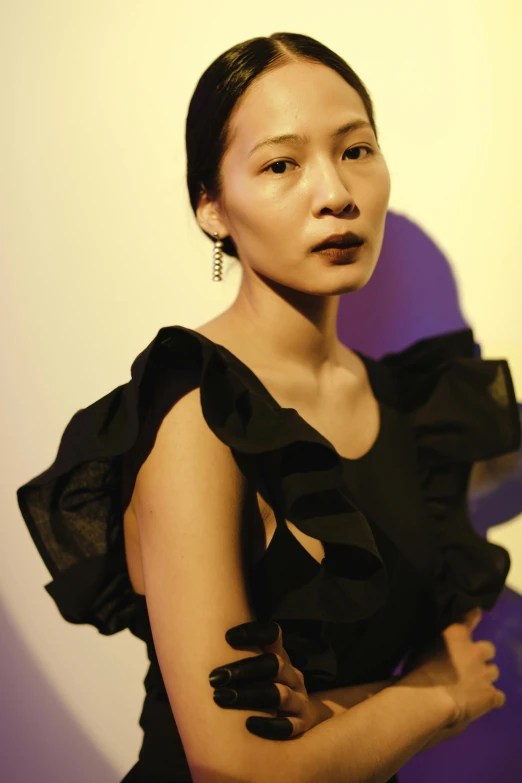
[
  {"x": 372, "y": 740},
  {"x": 335, "y": 701}
]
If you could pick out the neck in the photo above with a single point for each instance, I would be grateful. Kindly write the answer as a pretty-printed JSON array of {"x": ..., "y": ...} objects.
[{"x": 285, "y": 336}]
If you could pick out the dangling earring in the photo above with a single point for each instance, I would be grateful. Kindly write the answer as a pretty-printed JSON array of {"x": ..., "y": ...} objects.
[{"x": 218, "y": 259}]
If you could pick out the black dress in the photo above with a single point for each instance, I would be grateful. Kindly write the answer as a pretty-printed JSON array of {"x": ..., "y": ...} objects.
[{"x": 402, "y": 560}]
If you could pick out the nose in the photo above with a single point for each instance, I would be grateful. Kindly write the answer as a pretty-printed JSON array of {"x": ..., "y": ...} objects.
[{"x": 331, "y": 191}]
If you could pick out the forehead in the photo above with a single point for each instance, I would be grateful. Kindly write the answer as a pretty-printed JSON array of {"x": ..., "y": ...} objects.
[{"x": 296, "y": 97}]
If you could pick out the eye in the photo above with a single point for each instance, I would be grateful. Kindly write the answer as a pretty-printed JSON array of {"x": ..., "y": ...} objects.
[{"x": 369, "y": 150}]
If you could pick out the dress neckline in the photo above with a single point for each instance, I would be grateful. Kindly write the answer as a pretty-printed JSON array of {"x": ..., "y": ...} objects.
[{"x": 276, "y": 404}]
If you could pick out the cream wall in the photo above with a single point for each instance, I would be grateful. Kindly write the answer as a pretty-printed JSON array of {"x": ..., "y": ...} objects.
[{"x": 100, "y": 247}]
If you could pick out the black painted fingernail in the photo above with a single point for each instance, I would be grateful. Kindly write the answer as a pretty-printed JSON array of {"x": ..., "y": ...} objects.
[
  {"x": 253, "y": 633},
  {"x": 269, "y": 728},
  {"x": 236, "y": 636},
  {"x": 219, "y": 677},
  {"x": 255, "y": 698},
  {"x": 225, "y": 697},
  {"x": 259, "y": 667}
]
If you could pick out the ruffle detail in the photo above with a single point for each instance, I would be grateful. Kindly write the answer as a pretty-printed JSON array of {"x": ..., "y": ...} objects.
[
  {"x": 300, "y": 473},
  {"x": 461, "y": 409},
  {"x": 74, "y": 509}
]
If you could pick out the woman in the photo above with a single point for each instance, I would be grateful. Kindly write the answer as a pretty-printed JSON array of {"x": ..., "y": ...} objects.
[{"x": 256, "y": 473}]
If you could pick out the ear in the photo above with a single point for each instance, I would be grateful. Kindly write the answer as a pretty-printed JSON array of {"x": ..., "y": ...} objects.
[{"x": 208, "y": 216}]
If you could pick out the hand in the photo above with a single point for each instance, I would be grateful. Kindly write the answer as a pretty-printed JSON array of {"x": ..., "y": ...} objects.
[
  {"x": 266, "y": 681},
  {"x": 460, "y": 668}
]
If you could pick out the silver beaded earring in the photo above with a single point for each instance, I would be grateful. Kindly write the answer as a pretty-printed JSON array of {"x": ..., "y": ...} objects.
[{"x": 218, "y": 259}]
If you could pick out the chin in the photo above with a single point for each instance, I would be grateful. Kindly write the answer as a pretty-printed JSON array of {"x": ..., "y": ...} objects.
[{"x": 356, "y": 282}]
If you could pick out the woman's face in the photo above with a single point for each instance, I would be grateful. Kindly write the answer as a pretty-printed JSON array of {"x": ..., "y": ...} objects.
[{"x": 279, "y": 200}]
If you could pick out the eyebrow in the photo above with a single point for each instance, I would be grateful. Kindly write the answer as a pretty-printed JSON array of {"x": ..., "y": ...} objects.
[{"x": 304, "y": 139}]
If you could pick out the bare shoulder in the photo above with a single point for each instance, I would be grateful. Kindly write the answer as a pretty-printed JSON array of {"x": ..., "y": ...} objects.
[{"x": 183, "y": 442}]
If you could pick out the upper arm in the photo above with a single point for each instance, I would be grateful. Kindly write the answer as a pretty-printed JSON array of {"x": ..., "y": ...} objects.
[{"x": 189, "y": 498}]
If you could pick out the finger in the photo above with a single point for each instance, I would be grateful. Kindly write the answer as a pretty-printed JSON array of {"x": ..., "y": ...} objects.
[
  {"x": 487, "y": 648},
  {"x": 260, "y": 667},
  {"x": 494, "y": 672},
  {"x": 267, "y": 635},
  {"x": 261, "y": 697},
  {"x": 264, "y": 667},
  {"x": 277, "y": 647},
  {"x": 500, "y": 698},
  {"x": 273, "y": 728},
  {"x": 269, "y": 696},
  {"x": 273, "y": 642},
  {"x": 253, "y": 633},
  {"x": 473, "y": 618},
  {"x": 288, "y": 674}
]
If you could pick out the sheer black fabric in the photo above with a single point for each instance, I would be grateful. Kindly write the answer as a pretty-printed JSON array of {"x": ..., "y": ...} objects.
[{"x": 402, "y": 560}]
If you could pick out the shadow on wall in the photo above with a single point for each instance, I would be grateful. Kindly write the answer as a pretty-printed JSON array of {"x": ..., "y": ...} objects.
[
  {"x": 39, "y": 740},
  {"x": 412, "y": 295}
]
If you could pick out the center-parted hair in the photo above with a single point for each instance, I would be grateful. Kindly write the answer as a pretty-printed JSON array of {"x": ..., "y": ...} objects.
[{"x": 222, "y": 85}]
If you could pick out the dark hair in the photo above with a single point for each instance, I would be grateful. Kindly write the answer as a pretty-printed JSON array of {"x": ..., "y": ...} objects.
[{"x": 221, "y": 86}]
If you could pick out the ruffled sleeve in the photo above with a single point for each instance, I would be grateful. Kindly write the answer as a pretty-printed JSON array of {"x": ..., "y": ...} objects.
[
  {"x": 462, "y": 409},
  {"x": 74, "y": 509}
]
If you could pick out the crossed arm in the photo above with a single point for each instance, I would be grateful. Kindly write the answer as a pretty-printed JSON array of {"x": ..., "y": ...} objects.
[{"x": 335, "y": 701}]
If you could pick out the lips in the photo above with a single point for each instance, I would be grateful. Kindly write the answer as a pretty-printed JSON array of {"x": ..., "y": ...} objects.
[
  {"x": 338, "y": 245},
  {"x": 340, "y": 241}
]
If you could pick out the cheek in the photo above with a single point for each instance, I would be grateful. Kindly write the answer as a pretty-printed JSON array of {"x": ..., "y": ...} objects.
[
  {"x": 265, "y": 211},
  {"x": 385, "y": 181},
  {"x": 377, "y": 194}
]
